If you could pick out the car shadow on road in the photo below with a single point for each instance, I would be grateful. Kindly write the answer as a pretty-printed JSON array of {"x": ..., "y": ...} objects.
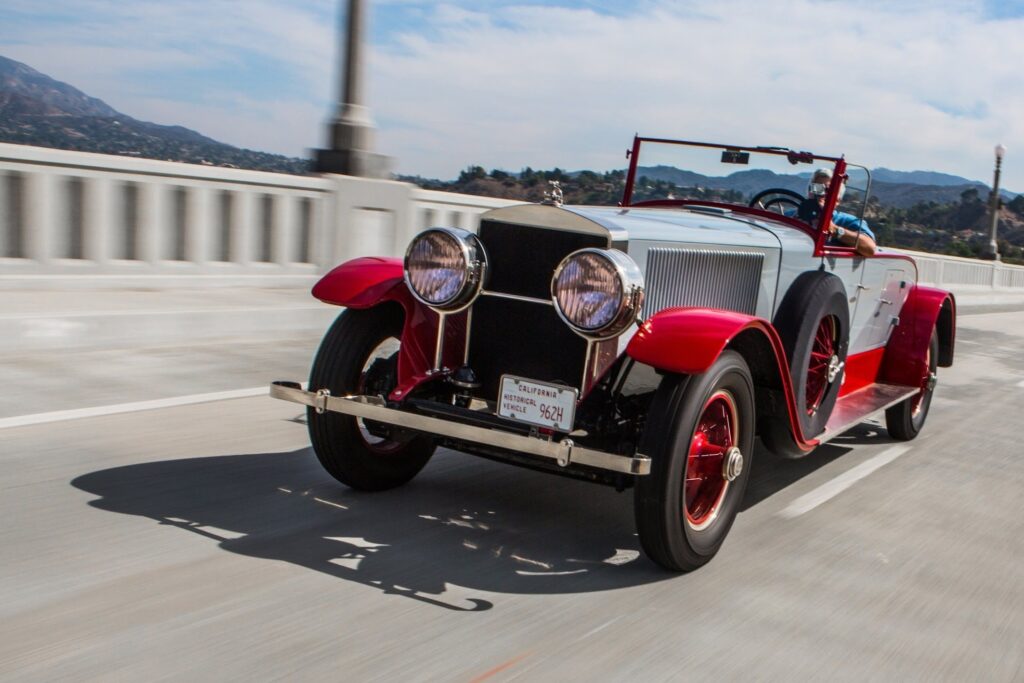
[
  {"x": 462, "y": 527},
  {"x": 771, "y": 473}
]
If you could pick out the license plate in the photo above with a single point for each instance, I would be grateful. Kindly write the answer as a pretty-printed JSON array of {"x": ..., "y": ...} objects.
[{"x": 539, "y": 403}]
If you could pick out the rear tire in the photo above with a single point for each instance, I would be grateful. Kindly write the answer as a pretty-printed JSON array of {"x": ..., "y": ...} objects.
[
  {"x": 906, "y": 419},
  {"x": 813, "y": 323},
  {"x": 361, "y": 349},
  {"x": 686, "y": 505}
]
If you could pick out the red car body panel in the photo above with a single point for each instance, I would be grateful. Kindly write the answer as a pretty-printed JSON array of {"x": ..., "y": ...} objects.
[
  {"x": 861, "y": 370},
  {"x": 689, "y": 340},
  {"x": 369, "y": 281}
]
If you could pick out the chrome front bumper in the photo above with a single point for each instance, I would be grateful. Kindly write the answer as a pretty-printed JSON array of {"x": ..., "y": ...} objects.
[{"x": 564, "y": 452}]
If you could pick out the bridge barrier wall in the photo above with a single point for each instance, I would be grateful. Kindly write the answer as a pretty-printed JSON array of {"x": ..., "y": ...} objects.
[
  {"x": 953, "y": 272},
  {"x": 74, "y": 219},
  {"x": 118, "y": 221}
]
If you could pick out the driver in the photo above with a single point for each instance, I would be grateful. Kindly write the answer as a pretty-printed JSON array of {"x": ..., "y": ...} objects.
[{"x": 845, "y": 229}]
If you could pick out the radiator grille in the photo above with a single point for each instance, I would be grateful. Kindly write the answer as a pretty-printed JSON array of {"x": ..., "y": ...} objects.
[
  {"x": 521, "y": 259},
  {"x": 698, "y": 277},
  {"x": 524, "y": 338}
]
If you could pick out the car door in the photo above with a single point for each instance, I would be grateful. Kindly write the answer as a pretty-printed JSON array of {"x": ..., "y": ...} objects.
[
  {"x": 885, "y": 286},
  {"x": 850, "y": 269}
]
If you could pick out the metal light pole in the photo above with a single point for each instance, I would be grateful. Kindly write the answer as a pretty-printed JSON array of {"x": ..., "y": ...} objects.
[
  {"x": 351, "y": 130},
  {"x": 993, "y": 247}
]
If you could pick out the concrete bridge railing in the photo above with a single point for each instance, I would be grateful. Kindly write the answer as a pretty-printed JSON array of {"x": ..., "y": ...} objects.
[
  {"x": 70, "y": 214},
  {"x": 120, "y": 219},
  {"x": 956, "y": 273}
]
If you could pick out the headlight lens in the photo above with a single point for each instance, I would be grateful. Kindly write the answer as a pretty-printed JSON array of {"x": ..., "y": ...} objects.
[
  {"x": 598, "y": 292},
  {"x": 444, "y": 267}
]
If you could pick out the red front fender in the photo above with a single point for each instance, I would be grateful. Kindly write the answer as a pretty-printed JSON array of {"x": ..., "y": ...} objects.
[
  {"x": 361, "y": 282},
  {"x": 926, "y": 309},
  {"x": 371, "y": 281},
  {"x": 689, "y": 340}
]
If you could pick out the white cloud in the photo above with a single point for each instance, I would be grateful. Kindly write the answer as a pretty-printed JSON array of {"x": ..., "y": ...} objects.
[
  {"x": 909, "y": 85},
  {"x": 929, "y": 88}
]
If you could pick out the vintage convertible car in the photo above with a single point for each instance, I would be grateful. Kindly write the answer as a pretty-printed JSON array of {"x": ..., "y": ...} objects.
[{"x": 642, "y": 346}]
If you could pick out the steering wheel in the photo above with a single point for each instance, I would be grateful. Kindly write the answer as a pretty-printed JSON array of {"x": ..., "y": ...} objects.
[{"x": 777, "y": 199}]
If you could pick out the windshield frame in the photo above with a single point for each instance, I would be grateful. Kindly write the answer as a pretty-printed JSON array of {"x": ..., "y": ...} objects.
[{"x": 819, "y": 232}]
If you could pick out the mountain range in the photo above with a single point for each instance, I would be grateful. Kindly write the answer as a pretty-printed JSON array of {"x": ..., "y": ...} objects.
[
  {"x": 899, "y": 189},
  {"x": 38, "y": 110}
]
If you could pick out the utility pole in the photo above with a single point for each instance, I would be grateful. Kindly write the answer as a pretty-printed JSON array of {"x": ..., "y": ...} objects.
[
  {"x": 993, "y": 246},
  {"x": 351, "y": 131}
]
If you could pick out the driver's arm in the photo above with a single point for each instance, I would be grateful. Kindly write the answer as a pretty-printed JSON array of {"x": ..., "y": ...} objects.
[{"x": 861, "y": 241}]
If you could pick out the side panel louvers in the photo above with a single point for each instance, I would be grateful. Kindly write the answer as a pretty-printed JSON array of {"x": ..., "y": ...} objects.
[{"x": 699, "y": 277}]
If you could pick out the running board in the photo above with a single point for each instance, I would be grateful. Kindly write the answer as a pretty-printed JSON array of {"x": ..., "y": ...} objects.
[{"x": 861, "y": 405}]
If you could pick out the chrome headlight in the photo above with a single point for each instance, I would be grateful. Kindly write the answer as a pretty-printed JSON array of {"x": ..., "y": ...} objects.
[
  {"x": 444, "y": 268},
  {"x": 598, "y": 292}
]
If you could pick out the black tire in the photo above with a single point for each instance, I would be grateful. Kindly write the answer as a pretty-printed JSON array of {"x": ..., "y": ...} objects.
[
  {"x": 665, "y": 498},
  {"x": 905, "y": 419},
  {"x": 816, "y": 304},
  {"x": 346, "y": 450}
]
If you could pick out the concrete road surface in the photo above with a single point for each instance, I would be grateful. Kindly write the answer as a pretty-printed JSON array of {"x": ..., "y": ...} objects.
[{"x": 202, "y": 541}]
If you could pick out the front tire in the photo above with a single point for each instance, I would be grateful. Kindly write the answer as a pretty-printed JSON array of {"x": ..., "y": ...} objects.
[
  {"x": 700, "y": 437},
  {"x": 359, "y": 355}
]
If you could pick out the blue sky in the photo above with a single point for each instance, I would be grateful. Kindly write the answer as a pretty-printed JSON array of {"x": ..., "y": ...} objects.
[{"x": 909, "y": 85}]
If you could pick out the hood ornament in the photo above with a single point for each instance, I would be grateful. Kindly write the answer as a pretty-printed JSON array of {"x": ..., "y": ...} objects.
[{"x": 554, "y": 196}]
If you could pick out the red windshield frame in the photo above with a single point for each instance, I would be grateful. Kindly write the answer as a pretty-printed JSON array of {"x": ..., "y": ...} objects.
[{"x": 819, "y": 233}]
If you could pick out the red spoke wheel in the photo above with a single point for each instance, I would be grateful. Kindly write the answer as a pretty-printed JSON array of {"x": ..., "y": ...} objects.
[
  {"x": 378, "y": 377},
  {"x": 712, "y": 442},
  {"x": 927, "y": 385},
  {"x": 359, "y": 355},
  {"x": 820, "y": 369},
  {"x": 905, "y": 420},
  {"x": 699, "y": 435},
  {"x": 813, "y": 322}
]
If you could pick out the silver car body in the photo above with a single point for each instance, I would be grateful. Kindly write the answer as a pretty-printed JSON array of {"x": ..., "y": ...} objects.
[{"x": 707, "y": 256}]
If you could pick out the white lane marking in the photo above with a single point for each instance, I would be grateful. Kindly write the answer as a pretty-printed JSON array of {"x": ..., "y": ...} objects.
[
  {"x": 830, "y": 490},
  {"x": 1020, "y": 384},
  {"x": 598, "y": 629},
  {"x": 156, "y": 311},
  {"x": 79, "y": 413}
]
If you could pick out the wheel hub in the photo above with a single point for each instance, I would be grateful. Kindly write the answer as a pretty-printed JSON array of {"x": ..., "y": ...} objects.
[
  {"x": 834, "y": 366},
  {"x": 732, "y": 464},
  {"x": 380, "y": 377}
]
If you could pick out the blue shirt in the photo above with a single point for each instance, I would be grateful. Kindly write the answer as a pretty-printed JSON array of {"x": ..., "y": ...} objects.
[{"x": 846, "y": 221}]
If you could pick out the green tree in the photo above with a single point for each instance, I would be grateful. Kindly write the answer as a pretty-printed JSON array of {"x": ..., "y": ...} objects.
[
  {"x": 472, "y": 173},
  {"x": 970, "y": 196},
  {"x": 1016, "y": 205}
]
